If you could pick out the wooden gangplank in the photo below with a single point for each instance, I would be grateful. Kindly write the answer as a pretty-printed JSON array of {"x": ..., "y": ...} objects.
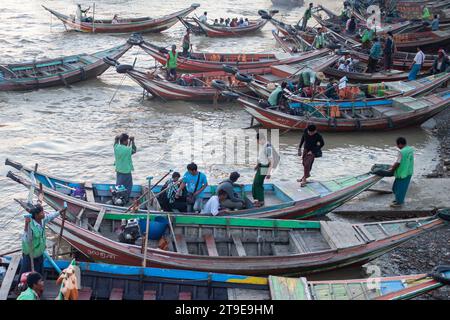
[
  {"x": 9, "y": 277},
  {"x": 283, "y": 288}
]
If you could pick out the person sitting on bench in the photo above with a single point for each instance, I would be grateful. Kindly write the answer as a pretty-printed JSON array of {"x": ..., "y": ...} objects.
[{"x": 232, "y": 201}]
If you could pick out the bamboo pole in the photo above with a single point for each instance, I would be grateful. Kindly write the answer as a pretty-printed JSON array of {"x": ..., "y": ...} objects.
[
  {"x": 93, "y": 17},
  {"x": 144, "y": 259}
]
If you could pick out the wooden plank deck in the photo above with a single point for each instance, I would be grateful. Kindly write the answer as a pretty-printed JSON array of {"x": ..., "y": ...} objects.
[
  {"x": 181, "y": 244},
  {"x": 211, "y": 245},
  {"x": 239, "y": 246},
  {"x": 282, "y": 288},
  {"x": 89, "y": 192},
  {"x": 9, "y": 277},
  {"x": 343, "y": 235}
]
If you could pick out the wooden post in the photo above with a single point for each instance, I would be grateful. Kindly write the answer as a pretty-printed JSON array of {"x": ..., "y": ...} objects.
[
  {"x": 147, "y": 227},
  {"x": 93, "y": 17}
]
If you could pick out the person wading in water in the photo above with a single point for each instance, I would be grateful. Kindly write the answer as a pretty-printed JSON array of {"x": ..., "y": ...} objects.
[
  {"x": 124, "y": 148},
  {"x": 313, "y": 144},
  {"x": 403, "y": 169}
]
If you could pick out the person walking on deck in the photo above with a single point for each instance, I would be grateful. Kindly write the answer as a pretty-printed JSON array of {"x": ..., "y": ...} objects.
[
  {"x": 403, "y": 169},
  {"x": 172, "y": 64},
  {"x": 124, "y": 148},
  {"x": 306, "y": 16},
  {"x": 34, "y": 240},
  {"x": 313, "y": 142},
  {"x": 35, "y": 287},
  {"x": 417, "y": 64},
  {"x": 263, "y": 169}
]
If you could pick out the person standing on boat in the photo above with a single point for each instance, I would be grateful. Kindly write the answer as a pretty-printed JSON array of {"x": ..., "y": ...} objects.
[
  {"x": 313, "y": 142},
  {"x": 172, "y": 63},
  {"x": 367, "y": 38},
  {"x": 426, "y": 15},
  {"x": 374, "y": 56},
  {"x": 186, "y": 43},
  {"x": 195, "y": 182},
  {"x": 350, "y": 27},
  {"x": 309, "y": 80},
  {"x": 81, "y": 14},
  {"x": 389, "y": 50},
  {"x": 319, "y": 40},
  {"x": 441, "y": 63},
  {"x": 417, "y": 64},
  {"x": 435, "y": 23},
  {"x": 35, "y": 287},
  {"x": 124, "y": 148},
  {"x": 204, "y": 18},
  {"x": 263, "y": 169},
  {"x": 403, "y": 169},
  {"x": 34, "y": 240},
  {"x": 306, "y": 16}
]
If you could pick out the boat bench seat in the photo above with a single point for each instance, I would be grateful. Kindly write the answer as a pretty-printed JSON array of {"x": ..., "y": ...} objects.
[{"x": 85, "y": 293}]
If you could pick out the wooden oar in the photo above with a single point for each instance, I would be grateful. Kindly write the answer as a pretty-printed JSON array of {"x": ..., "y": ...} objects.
[
  {"x": 136, "y": 202},
  {"x": 10, "y": 252}
]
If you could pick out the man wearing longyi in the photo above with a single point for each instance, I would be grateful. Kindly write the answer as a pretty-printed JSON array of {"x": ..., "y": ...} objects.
[{"x": 124, "y": 148}]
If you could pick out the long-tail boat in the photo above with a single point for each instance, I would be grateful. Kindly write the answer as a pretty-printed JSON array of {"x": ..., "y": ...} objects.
[
  {"x": 242, "y": 245},
  {"x": 124, "y": 25},
  {"x": 392, "y": 114},
  {"x": 191, "y": 87},
  {"x": 294, "y": 43},
  {"x": 357, "y": 95},
  {"x": 101, "y": 281},
  {"x": 283, "y": 200},
  {"x": 223, "y": 31},
  {"x": 59, "y": 71},
  {"x": 203, "y": 62}
]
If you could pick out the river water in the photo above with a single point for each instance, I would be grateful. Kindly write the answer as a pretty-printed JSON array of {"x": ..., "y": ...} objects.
[{"x": 70, "y": 131}]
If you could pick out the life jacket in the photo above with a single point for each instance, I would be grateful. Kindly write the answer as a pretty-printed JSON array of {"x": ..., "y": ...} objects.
[
  {"x": 406, "y": 167},
  {"x": 172, "y": 63}
]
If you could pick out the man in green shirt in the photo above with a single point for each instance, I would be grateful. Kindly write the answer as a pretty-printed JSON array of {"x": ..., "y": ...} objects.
[
  {"x": 307, "y": 16},
  {"x": 403, "y": 169},
  {"x": 124, "y": 147},
  {"x": 35, "y": 287},
  {"x": 275, "y": 95}
]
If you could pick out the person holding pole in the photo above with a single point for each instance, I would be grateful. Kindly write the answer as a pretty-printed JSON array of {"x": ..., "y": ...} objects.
[{"x": 34, "y": 240}]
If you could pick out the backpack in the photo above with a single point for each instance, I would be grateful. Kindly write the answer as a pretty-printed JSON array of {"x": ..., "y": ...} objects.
[{"x": 275, "y": 157}]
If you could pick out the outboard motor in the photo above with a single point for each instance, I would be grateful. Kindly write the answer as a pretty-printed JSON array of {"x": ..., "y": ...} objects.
[
  {"x": 131, "y": 232},
  {"x": 119, "y": 195}
]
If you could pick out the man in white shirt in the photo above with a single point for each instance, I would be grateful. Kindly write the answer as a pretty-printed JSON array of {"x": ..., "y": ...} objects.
[
  {"x": 417, "y": 64},
  {"x": 263, "y": 169},
  {"x": 204, "y": 17},
  {"x": 213, "y": 204}
]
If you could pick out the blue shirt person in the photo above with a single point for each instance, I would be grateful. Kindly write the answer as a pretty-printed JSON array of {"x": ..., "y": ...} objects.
[{"x": 195, "y": 182}]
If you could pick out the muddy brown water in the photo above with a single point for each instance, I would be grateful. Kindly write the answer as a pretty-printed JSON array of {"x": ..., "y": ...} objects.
[{"x": 70, "y": 131}]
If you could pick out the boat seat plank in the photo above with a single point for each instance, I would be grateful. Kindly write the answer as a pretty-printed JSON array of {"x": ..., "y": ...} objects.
[
  {"x": 247, "y": 294},
  {"x": 282, "y": 288},
  {"x": 89, "y": 192},
  {"x": 366, "y": 232},
  {"x": 294, "y": 238},
  {"x": 211, "y": 245},
  {"x": 99, "y": 220},
  {"x": 85, "y": 293},
  {"x": 149, "y": 295},
  {"x": 116, "y": 294},
  {"x": 9, "y": 277},
  {"x": 296, "y": 193},
  {"x": 181, "y": 244},
  {"x": 185, "y": 296},
  {"x": 238, "y": 244},
  {"x": 343, "y": 234}
]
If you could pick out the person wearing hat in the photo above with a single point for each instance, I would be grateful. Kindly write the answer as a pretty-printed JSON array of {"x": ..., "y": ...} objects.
[
  {"x": 311, "y": 79},
  {"x": 186, "y": 43},
  {"x": 232, "y": 201},
  {"x": 34, "y": 240},
  {"x": 441, "y": 63},
  {"x": 35, "y": 289},
  {"x": 171, "y": 63}
]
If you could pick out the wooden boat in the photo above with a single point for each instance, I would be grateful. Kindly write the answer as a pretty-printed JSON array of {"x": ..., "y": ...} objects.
[
  {"x": 374, "y": 94},
  {"x": 223, "y": 31},
  {"x": 203, "y": 62},
  {"x": 401, "y": 112},
  {"x": 59, "y": 71},
  {"x": 199, "y": 87},
  {"x": 117, "y": 282},
  {"x": 283, "y": 200},
  {"x": 401, "y": 60},
  {"x": 248, "y": 246},
  {"x": 145, "y": 24}
]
